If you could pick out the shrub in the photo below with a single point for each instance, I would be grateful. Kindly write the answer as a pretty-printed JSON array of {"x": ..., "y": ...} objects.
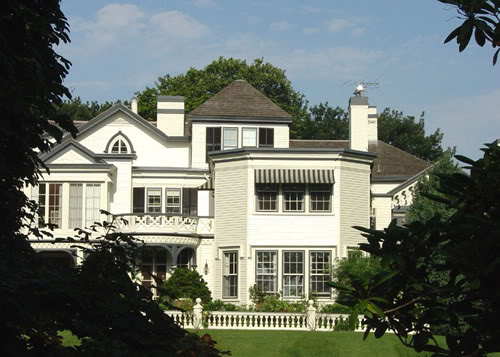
[
  {"x": 186, "y": 283},
  {"x": 336, "y": 309},
  {"x": 219, "y": 305}
]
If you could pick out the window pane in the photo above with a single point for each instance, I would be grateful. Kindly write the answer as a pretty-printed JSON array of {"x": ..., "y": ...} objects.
[
  {"x": 55, "y": 200},
  {"x": 230, "y": 138},
  {"x": 75, "y": 205},
  {"x": 267, "y": 197},
  {"x": 267, "y": 269},
  {"x": 138, "y": 200},
  {"x": 320, "y": 196},
  {"x": 320, "y": 273},
  {"x": 230, "y": 274},
  {"x": 249, "y": 137},
  {"x": 213, "y": 140},
  {"x": 293, "y": 274},
  {"x": 42, "y": 197},
  {"x": 293, "y": 197},
  {"x": 266, "y": 137}
]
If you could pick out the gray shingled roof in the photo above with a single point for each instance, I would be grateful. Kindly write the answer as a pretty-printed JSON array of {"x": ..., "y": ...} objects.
[
  {"x": 390, "y": 160},
  {"x": 237, "y": 100}
]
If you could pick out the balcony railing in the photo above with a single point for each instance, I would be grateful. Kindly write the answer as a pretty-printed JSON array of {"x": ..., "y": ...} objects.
[{"x": 164, "y": 223}]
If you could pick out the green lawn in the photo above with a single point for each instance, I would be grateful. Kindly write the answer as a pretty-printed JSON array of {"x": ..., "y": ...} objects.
[{"x": 306, "y": 343}]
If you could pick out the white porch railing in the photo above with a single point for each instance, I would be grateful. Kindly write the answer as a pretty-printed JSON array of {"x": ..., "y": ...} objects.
[
  {"x": 307, "y": 321},
  {"x": 164, "y": 223}
]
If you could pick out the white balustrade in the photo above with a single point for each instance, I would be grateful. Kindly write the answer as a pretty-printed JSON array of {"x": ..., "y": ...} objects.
[
  {"x": 158, "y": 223},
  {"x": 243, "y": 320}
]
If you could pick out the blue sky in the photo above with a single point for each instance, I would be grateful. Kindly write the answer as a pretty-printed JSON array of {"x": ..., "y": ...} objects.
[{"x": 121, "y": 47}]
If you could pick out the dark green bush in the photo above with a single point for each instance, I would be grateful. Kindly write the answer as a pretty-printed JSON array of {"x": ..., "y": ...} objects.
[
  {"x": 336, "y": 309},
  {"x": 186, "y": 283},
  {"x": 219, "y": 305}
]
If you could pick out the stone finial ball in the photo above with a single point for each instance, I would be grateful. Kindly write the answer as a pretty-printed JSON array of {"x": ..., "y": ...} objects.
[{"x": 198, "y": 300}]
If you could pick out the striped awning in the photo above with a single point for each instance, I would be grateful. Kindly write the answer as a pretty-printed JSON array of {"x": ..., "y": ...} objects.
[
  {"x": 209, "y": 185},
  {"x": 294, "y": 176}
]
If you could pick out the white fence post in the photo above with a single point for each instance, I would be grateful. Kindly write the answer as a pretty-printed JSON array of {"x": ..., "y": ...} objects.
[
  {"x": 311, "y": 316},
  {"x": 198, "y": 315}
]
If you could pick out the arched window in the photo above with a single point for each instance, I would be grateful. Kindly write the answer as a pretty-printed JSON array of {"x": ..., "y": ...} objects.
[
  {"x": 119, "y": 147},
  {"x": 119, "y": 144}
]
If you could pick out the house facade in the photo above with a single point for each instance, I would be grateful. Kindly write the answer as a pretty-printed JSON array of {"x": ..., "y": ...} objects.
[{"x": 225, "y": 191}]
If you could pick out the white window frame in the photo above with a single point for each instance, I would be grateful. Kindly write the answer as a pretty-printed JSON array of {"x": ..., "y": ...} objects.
[
  {"x": 228, "y": 276},
  {"x": 229, "y": 129},
  {"x": 315, "y": 272},
  {"x": 297, "y": 274},
  {"x": 243, "y": 130},
  {"x": 263, "y": 271},
  {"x": 45, "y": 206}
]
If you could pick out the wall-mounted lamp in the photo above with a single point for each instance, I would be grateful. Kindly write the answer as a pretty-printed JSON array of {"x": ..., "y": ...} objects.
[{"x": 206, "y": 268}]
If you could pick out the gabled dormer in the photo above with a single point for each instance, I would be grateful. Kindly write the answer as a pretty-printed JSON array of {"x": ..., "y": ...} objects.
[{"x": 238, "y": 116}]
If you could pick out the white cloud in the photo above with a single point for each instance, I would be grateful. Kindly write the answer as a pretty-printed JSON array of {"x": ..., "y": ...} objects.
[
  {"x": 281, "y": 26},
  {"x": 354, "y": 25},
  {"x": 177, "y": 24}
]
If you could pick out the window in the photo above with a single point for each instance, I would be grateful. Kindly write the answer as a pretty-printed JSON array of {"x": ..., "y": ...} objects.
[
  {"x": 57, "y": 260},
  {"x": 92, "y": 204},
  {"x": 138, "y": 203},
  {"x": 293, "y": 197},
  {"x": 190, "y": 201},
  {"x": 320, "y": 273},
  {"x": 249, "y": 137},
  {"x": 173, "y": 200},
  {"x": 267, "y": 197},
  {"x": 266, "y": 137},
  {"x": 230, "y": 138},
  {"x": 320, "y": 197},
  {"x": 213, "y": 140},
  {"x": 230, "y": 275},
  {"x": 185, "y": 259},
  {"x": 50, "y": 204},
  {"x": 267, "y": 271},
  {"x": 75, "y": 205},
  {"x": 293, "y": 274},
  {"x": 119, "y": 147},
  {"x": 153, "y": 262},
  {"x": 154, "y": 200}
]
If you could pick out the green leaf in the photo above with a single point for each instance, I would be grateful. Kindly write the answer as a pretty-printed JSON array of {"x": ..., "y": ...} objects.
[
  {"x": 375, "y": 309},
  {"x": 464, "y": 35},
  {"x": 480, "y": 38},
  {"x": 386, "y": 277},
  {"x": 465, "y": 159},
  {"x": 339, "y": 286},
  {"x": 452, "y": 35},
  {"x": 367, "y": 332},
  {"x": 495, "y": 57}
]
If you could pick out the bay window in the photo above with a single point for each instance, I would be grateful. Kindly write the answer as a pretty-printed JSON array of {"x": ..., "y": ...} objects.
[
  {"x": 230, "y": 275},
  {"x": 267, "y": 271},
  {"x": 293, "y": 274}
]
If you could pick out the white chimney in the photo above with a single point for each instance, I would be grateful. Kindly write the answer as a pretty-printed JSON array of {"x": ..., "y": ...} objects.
[
  {"x": 133, "y": 105},
  {"x": 170, "y": 115},
  {"x": 372, "y": 124},
  {"x": 358, "y": 123}
]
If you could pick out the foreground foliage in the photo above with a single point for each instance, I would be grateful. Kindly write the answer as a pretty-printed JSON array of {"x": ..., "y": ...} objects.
[
  {"x": 444, "y": 273},
  {"x": 97, "y": 301}
]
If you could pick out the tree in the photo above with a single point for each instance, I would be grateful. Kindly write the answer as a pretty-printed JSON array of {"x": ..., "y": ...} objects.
[
  {"x": 406, "y": 134},
  {"x": 187, "y": 283},
  {"x": 424, "y": 207},
  {"x": 97, "y": 301},
  {"x": 443, "y": 272},
  {"x": 481, "y": 18},
  {"x": 327, "y": 123},
  {"x": 80, "y": 111},
  {"x": 198, "y": 85}
]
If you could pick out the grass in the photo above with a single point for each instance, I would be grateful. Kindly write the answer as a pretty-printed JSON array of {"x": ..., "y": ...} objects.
[{"x": 306, "y": 343}]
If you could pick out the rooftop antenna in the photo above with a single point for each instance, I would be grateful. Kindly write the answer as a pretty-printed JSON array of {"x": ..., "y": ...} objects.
[{"x": 362, "y": 87}]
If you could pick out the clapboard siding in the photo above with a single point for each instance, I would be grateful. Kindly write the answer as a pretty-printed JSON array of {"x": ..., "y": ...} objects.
[
  {"x": 121, "y": 194},
  {"x": 383, "y": 211},
  {"x": 354, "y": 204}
]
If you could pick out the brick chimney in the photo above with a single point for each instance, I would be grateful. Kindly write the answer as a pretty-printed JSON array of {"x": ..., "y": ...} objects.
[{"x": 170, "y": 115}]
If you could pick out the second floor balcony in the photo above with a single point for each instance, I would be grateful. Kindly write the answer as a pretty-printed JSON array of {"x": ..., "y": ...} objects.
[{"x": 161, "y": 223}]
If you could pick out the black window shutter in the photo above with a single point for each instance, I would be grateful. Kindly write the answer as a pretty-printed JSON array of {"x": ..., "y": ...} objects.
[
  {"x": 270, "y": 138},
  {"x": 190, "y": 201},
  {"x": 262, "y": 137},
  {"x": 138, "y": 200},
  {"x": 186, "y": 199},
  {"x": 194, "y": 202}
]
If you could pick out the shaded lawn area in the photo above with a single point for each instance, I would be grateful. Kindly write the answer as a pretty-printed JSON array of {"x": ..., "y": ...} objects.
[{"x": 244, "y": 343}]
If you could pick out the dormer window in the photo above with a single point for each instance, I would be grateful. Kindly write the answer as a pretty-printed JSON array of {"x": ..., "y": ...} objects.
[
  {"x": 119, "y": 144},
  {"x": 119, "y": 147}
]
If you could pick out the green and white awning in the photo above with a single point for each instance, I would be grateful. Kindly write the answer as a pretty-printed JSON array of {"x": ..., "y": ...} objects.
[{"x": 294, "y": 176}]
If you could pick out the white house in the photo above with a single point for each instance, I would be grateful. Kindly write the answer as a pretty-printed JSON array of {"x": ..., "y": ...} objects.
[{"x": 224, "y": 190}]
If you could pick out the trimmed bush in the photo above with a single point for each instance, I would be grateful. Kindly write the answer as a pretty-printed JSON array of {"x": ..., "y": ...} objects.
[{"x": 186, "y": 283}]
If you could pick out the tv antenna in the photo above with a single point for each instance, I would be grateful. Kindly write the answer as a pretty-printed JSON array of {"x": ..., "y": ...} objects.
[{"x": 362, "y": 87}]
